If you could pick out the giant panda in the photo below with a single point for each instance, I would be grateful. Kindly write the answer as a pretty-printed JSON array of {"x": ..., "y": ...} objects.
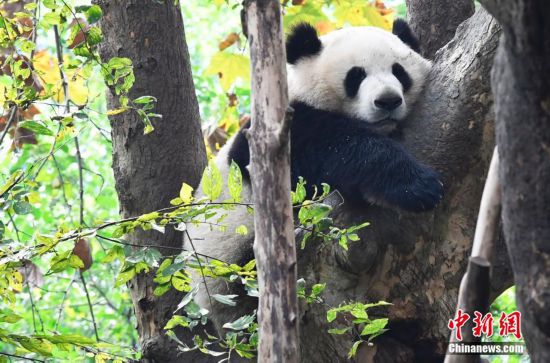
[{"x": 349, "y": 89}]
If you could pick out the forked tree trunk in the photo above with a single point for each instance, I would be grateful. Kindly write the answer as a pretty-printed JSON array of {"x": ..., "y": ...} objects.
[
  {"x": 269, "y": 140},
  {"x": 416, "y": 261},
  {"x": 521, "y": 84},
  {"x": 435, "y": 22},
  {"x": 149, "y": 169}
]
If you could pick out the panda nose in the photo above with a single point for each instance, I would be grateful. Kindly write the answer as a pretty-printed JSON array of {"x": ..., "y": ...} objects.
[{"x": 388, "y": 102}]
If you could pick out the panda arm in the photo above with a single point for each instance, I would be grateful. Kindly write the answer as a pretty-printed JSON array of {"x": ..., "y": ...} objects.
[
  {"x": 345, "y": 153},
  {"x": 381, "y": 171}
]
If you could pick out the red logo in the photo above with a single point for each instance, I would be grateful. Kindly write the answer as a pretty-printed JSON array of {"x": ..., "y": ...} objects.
[
  {"x": 483, "y": 324},
  {"x": 457, "y": 323},
  {"x": 510, "y": 324}
]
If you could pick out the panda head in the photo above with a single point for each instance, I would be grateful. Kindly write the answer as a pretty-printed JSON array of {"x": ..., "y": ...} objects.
[{"x": 363, "y": 72}]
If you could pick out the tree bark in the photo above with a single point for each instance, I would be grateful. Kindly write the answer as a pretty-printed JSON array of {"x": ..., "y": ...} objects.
[
  {"x": 269, "y": 141},
  {"x": 473, "y": 294},
  {"x": 435, "y": 21},
  {"x": 416, "y": 261},
  {"x": 149, "y": 169},
  {"x": 521, "y": 85}
]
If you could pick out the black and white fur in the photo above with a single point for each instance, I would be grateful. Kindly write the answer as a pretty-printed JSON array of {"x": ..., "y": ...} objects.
[{"x": 349, "y": 89}]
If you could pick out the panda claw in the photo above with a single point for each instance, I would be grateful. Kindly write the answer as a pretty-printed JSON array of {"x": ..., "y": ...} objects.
[{"x": 420, "y": 193}]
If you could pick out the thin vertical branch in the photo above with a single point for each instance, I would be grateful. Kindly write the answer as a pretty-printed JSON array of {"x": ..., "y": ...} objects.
[
  {"x": 65, "y": 87},
  {"x": 60, "y": 311},
  {"x": 11, "y": 119},
  {"x": 80, "y": 182},
  {"x": 89, "y": 305},
  {"x": 34, "y": 310},
  {"x": 274, "y": 245}
]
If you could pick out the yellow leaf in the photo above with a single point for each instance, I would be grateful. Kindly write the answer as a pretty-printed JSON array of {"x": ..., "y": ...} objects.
[
  {"x": 67, "y": 131},
  {"x": 116, "y": 111},
  {"x": 351, "y": 13},
  {"x": 47, "y": 69},
  {"x": 16, "y": 281},
  {"x": 33, "y": 197},
  {"x": 374, "y": 18},
  {"x": 230, "y": 121},
  {"x": 357, "y": 13},
  {"x": 229, "y": 67},
  {"x": 186, "y": 193},
  {"x": 228, "y": 41}
]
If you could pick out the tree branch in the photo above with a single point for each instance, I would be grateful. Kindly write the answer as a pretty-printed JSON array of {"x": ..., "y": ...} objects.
[
  {"x": 435, "y": 21},
  {"x": 274, "y": 246},
  {"x": 521, "y": 86}
]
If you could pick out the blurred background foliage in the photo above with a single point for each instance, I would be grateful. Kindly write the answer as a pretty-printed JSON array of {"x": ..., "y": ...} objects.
[{"x": 41, "y": 169}]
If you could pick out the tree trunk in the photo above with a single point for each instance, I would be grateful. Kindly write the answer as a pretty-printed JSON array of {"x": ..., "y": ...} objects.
[
  {"x": 416, "y": 261},
  {"x": 149, "y": 169},
  {"x": 521, "y": 85},
  {"x": 435, "y": 21},
  {"x": 269, "y": 141}
]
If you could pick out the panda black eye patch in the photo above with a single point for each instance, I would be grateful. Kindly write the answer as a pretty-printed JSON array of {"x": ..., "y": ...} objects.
[
  {"x": 353, "y": 80},
  {"x": 402, "y": 76}
]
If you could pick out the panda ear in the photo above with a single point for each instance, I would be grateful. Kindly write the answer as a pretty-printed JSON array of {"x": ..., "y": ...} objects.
[
  {"x": 403, "y": 31},
  {"x": 302, "y": 41}
]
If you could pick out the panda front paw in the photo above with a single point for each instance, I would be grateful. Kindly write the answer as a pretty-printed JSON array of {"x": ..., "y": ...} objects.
[{"x": 422, "y": 192}]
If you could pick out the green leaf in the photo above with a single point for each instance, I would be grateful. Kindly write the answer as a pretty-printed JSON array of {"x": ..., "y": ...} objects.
[
  {"x": 374, "y": 327},
  {"x": 162, "y": 289},
  {"x": 143, "y": 100},
  {"x": 331, "y": 315},
  {"x": 313, "y": 212},
  {"x": 343, "y": 242},
  {"x": 226, "y": 299},
  {"x": 339, "y": 331},
  {"x": 40, "y": 346},
  {"x": 68, "y": 338},
  {"x": 125, "y": 276},
  {"x": 116, "y": 252},
  {"x": 52, "y": 18},
  {"x": 359, "y": 312},
  {"x": 177, "y": 320},
  {"x": 94, "y": 35},
  {"x": 300, "y": 194},
  {"x": 50, "y": 4},
  {"x": 317, "y": 289},
  {"x": 235, "y": 182},
  {"x": 353, "y": 351},
  {"x": 93, "y": 14},
  {"x": 22, "y": 207},
  {"x": 8, "y": 316},
  {"x": 212, "y": 181},
  {"x": 181, "y": 281},
  {"x": 172, "y": 269},
  {"x": 119, "y": 63},
  {"x": 187, "y": 298},
  {"x": 241, "y": 323},
  {"x": 36, "y": 127}
]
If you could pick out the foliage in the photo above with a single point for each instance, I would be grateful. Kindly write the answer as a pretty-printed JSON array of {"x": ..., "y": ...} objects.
[
  {"x": 357, "y": 312},
  {"x": 64, "y": 262}
]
